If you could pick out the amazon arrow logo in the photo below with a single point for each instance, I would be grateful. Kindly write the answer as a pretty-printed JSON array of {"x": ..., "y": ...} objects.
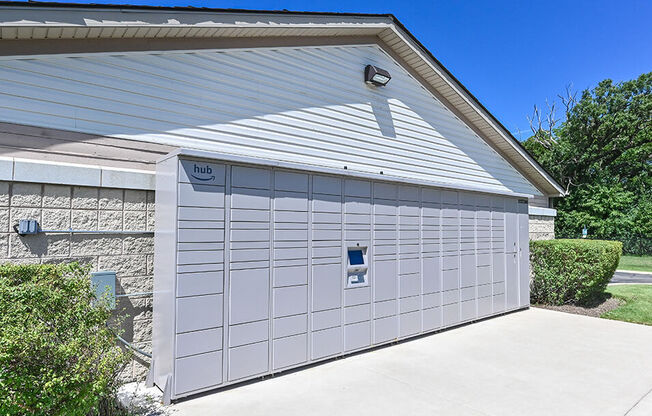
[{"x": 202, "y": 170}]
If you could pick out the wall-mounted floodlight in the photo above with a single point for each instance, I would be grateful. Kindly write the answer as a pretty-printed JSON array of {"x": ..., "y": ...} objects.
[{"x": 376, "y": 76}]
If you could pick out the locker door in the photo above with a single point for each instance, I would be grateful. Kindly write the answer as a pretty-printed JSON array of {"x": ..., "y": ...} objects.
[
  {"x": 511, "y": 254},
  {"x": 523, "y": 253}
]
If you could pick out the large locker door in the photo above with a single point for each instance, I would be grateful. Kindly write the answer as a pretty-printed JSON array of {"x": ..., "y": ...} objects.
[
  {"x": 249, "y": 280},
  {"x": 431, "y": 258},
  {"x": 200, "y": 276},
  {"x": 524, "y": 253},
  {"x": 385, "y": 263},
  {"x": 357, "y": 233},
  {"x": 511, "y": 255},
  {"x": 326, "y": 264},
  {"x": 468, "y": 260},
  {"x": 450, "y": 223},
  {"x": 290, "y": 270},
  {"x": 409, "y": 263}
]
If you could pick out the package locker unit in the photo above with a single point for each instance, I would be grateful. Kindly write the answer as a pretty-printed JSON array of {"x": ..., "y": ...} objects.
[{"x": 259, "y": 268}]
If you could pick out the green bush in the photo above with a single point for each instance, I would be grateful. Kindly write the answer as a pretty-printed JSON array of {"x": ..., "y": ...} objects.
[
  {"x": 57, "y": 354},
  {"x": 571, "y": 271}
]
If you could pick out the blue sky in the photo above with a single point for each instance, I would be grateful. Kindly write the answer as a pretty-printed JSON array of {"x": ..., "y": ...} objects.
[{"x": 510, "y": 54}]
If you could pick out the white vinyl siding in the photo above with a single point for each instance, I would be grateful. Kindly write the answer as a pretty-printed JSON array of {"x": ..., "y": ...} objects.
[{"x": 304, "y": 105}]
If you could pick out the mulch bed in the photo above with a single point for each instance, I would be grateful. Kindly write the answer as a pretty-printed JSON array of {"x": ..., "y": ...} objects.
[{"x": 596, "y": 309}]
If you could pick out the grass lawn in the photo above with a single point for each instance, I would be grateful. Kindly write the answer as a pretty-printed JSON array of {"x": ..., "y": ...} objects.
[
  {"x": 638, "y": 263},
  {"x": 637, "y": 305}
]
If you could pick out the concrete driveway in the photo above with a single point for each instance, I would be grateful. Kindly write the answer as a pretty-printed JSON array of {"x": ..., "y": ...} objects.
[{"x": 534, "y": 362}]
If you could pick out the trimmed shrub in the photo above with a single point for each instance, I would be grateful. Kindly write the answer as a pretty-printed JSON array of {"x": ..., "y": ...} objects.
[
  {"x": 57, "y": 354},
  {"x": 571, "y": 271}
]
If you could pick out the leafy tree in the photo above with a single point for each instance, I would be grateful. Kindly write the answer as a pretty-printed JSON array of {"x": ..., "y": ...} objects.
[{"x": 601, "y": 153}]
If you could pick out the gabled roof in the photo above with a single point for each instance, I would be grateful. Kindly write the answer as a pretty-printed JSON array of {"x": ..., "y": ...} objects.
[{"x": 44, "y": 20}]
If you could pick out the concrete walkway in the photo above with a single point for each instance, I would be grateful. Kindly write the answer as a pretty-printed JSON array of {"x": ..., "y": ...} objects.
[
  {"x": 534, "y": 362},
  {"x": 626, "y": 276}
]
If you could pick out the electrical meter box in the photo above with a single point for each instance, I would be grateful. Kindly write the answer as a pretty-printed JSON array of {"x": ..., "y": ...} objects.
[{"x": 262, "y": 266}]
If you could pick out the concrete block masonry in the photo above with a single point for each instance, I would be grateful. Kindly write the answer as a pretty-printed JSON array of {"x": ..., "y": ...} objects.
[
  {"x": 542, "y": 227},
  {"x": 92, "y": 208}
]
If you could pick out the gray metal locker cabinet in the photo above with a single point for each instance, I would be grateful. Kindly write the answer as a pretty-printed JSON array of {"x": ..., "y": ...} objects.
[{"x": 260, "y": 268}]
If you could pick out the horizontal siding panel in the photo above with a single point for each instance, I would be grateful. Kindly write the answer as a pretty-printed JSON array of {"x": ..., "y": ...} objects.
[{"x": 302, "y": 105}]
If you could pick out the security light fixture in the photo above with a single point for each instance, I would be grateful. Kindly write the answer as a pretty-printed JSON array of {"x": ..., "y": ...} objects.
[{"x": 376, "y": 76}]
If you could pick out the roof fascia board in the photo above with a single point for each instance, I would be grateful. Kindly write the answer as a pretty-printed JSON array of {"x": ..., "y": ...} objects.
[{"x": 23, "y": 15}]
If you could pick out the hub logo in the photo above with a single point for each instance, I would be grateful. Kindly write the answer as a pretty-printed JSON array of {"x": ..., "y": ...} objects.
[{"x": 202, "y": 173}]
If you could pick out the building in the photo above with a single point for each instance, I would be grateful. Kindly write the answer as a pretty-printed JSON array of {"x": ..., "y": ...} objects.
[{"x": 93, "y": 96}]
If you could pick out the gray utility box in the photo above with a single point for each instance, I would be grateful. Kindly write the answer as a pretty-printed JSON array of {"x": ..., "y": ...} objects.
[{"x": 259, "y": 268}]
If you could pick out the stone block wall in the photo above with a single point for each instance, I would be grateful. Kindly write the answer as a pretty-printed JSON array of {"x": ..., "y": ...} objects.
[
  {"x": 89, "y": 208},
  {"x": 542, "y": 227}
]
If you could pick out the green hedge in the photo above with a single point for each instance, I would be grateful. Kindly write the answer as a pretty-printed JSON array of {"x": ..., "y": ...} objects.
[
  {"x": 57, "y": 354},
  {"x": 571, "y": 271}
]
